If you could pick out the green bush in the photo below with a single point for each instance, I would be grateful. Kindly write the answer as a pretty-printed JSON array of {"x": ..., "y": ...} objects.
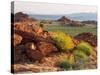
[
  {"x": 84, "y": 47},
  {"x": 67, "y": 62},
  {"x": 80, "y": 54},
  {"x": 65, "y": 65}
]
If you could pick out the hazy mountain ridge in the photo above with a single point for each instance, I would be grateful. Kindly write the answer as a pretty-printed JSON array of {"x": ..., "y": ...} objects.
[
  {"x": 83, "y": 16},
  {"x": 74, "y": 16}
]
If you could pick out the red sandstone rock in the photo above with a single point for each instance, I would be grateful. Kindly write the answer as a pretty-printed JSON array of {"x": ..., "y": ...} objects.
[
  {"x": 16, "y": 39},
  {"x": 40, "y": 50},
  {"x": 46, "y": 47},
  {"x": 19, "y": 54},
  {"x": 88, "y": 37}
]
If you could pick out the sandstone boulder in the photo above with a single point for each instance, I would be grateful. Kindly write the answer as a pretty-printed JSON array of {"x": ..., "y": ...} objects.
[
  {"x": 39, "y": 51},
  {"x": 88, "y": 37},
  {"x": 19, "y": 54},
  {"x": 46, "y": 47},
  {"x": 16, "y": 39}
]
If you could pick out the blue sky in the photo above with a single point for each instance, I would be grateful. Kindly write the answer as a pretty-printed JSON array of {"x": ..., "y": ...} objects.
[{"x": 48, "y": 8}]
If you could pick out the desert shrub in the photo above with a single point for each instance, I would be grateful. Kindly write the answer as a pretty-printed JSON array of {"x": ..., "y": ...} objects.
[
  {"x": 80, "y": 54},
  {"x": 84, "y": 47},
  {"x": 63, "y": 41},
  {"x": 66, "y": 63},
  {"x": 74, "y": 61},
  {"x": 79, "y": 64}
]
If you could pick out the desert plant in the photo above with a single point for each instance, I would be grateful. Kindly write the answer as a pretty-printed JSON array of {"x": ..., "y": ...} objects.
[
  {"x": 79, "y": 63},
  {"x": 80, "y": 54},
  {"x": 84, "y": 47},
  {"x": 65, "y": 65},
  {"x": 63, "y": 41},
  {"x": 67, "y": 62}
]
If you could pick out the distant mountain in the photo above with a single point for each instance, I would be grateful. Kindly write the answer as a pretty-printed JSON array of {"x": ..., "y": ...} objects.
[
  {"x": 74, "y": 16},
  {"x": 21, "y": 17},
  {"x": 83, "y": 16},
  {"x": 47, "y": 17}
]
